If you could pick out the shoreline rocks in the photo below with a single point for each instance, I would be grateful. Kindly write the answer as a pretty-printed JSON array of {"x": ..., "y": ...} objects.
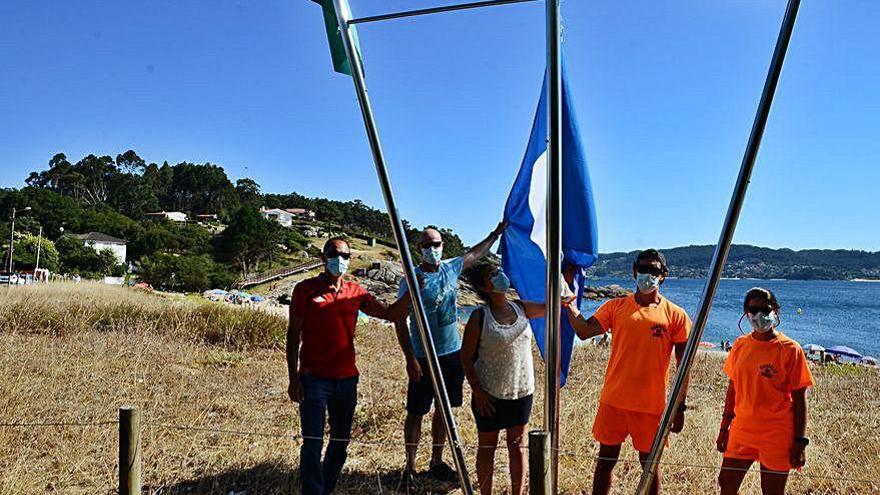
[
  {"x": 383, "y": 279},
  {"x": 602, "y": 292}
]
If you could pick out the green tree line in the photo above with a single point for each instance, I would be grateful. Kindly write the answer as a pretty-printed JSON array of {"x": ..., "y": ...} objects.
[{"x": 115, "y": 196}]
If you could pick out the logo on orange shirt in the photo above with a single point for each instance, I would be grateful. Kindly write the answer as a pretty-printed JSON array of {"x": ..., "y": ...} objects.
[
  {"x": 658, "y": 331},
  {"x": 768, "y": 370}
]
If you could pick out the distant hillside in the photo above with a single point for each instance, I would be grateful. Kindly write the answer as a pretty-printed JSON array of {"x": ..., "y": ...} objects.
[{"x": 754, "y": 262}]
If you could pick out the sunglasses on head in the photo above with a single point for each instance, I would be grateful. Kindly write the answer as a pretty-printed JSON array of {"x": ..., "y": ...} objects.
[
  {"x": 753, "y": 310},
  {"x": 650, "y": 269},
  {"x": 434, "y": 244},
  {"x": 334, "y": 254}
]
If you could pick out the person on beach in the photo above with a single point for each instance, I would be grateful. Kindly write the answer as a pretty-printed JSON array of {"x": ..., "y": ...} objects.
[
  {"x": 439, "y": 291},
  {"x": 646, "y": 328},
  {"x": 322, "y": 372},
  {"x": 765, "y": 410},
  {"x": 496, "y": 354}
]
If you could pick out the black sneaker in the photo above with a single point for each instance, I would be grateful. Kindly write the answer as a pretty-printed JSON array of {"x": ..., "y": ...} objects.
[{"x": 442, "y": 472}]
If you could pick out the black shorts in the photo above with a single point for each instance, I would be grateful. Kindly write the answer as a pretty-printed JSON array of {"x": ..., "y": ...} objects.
[
  {"x": 420, "y": 395},
  {"x": 508, "y": 413}
]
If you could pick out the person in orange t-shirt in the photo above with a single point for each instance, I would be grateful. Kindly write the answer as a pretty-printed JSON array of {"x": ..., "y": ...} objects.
[
  {"x": 646, "y": 328},
  {"x": 765, "y": 412}
]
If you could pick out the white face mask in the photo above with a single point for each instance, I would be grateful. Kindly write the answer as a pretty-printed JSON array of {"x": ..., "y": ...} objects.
[
  {"x": 763, "y": 323},
  {"x": 647, "y": 283},
  {"x": 432, "y": 255}
]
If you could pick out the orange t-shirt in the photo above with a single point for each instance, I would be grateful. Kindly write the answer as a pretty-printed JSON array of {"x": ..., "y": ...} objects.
[
  {"x": 642, "y": 344},
  {"x": 764, "y": 373}
]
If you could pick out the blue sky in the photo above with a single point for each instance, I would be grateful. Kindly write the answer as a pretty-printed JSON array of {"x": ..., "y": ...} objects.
[{"x": 666, "y": 93}]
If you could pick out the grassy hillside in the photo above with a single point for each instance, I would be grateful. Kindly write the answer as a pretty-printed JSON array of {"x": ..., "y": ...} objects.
[{"x": 211, "y": 382}]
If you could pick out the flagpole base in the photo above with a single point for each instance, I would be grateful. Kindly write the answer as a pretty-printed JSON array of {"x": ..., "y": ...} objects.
[{"x": 540, "y": 463}]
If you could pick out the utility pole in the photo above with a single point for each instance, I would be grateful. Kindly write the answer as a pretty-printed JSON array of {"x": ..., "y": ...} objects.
[
  {"x": 39, "y": 246},
  {"x": 12, "y": 242}
]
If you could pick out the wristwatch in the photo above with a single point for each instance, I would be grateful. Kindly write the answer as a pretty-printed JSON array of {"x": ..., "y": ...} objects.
[{"x": 802, "y": 440}]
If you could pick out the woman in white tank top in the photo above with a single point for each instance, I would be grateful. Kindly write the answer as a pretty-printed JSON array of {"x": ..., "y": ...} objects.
[{"x": 496, "y": 354}]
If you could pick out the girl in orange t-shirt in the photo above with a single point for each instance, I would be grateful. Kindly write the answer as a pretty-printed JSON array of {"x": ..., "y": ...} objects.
[{"x": 765, "y": 412}]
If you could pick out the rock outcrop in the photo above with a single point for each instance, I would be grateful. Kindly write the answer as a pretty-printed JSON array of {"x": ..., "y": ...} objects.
[{"x": 384, "y": 278}]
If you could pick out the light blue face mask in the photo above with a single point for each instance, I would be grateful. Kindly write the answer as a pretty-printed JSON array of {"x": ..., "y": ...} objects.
[
  {"x": 647, "y": 283},
  {"x": 432, "y": 255},
  {"x": 500, "y": 283},
  {"x": 763, "y": 323},
  {"x": 337, "y": 266}
]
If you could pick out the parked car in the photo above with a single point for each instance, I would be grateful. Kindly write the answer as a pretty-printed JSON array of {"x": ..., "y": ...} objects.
[{"x": 5, "y": 278}]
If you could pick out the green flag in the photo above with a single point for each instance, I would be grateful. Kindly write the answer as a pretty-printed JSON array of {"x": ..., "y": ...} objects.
[{"x": 334, "y": 37}]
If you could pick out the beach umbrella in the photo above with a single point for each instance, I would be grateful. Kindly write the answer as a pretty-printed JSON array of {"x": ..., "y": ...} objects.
[
  {"x": 813, "y": 348},
  {"x": 842, "y": 350}
]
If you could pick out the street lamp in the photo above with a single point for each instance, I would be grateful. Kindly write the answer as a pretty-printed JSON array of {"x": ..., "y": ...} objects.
[{"x": 12, "y": 241}]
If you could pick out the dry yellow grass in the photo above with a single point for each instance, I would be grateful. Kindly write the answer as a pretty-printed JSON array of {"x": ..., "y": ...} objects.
[{"x": 75, "y": 353}]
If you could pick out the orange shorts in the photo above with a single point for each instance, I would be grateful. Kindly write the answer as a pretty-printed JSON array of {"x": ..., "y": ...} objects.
[
  {"x": 613, "y": 425},
  {"x": 773, "y": 456}
]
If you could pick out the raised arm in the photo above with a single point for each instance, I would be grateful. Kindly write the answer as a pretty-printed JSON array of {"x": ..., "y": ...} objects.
[
  {"x": 584, "y": 328},
  {"x": 538, "y": 309},
  {"x": 534, "y": 309},
  {"x": 477, "y": 252},
  {"x": 294, "y": 330}
]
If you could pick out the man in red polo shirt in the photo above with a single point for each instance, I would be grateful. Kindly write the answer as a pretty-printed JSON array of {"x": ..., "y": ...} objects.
[{"x": 322, "y": 372}]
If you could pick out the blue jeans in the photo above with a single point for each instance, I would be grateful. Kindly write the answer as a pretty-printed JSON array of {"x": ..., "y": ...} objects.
[{"x": 336, "y": 399}]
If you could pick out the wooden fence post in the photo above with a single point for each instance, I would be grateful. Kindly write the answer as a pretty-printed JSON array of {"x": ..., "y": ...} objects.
[
  {"x": 539, "y": 462},
  {"x": 129, "y": 451}
]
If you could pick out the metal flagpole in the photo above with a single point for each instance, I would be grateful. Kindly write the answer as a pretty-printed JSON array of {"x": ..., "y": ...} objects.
[
  {"x": 554, "y": 241},
  {"x": 343, "y": 16},
  {"x": 676, "y": 396}
]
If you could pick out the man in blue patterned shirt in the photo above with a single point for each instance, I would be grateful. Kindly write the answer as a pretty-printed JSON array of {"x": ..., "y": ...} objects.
[{"x": 439, "y": 280}]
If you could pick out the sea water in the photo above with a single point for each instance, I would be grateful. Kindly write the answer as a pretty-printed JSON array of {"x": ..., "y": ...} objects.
[{"x": 820, "y": 312}]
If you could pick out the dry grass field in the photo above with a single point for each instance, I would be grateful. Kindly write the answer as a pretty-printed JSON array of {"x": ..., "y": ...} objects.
[{"x": 211, "y": 383}]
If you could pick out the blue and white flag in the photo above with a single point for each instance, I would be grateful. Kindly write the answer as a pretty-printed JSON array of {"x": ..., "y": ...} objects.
[{"x": 523, "y": 246}]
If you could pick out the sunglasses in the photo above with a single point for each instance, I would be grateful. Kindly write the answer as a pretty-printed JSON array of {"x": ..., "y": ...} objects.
[
  {"x": 753, "y": 310},
  {"x": 344, "y": 256},
  {"x": 435, "y": 244},
  {"x": 650, "y": 269}
]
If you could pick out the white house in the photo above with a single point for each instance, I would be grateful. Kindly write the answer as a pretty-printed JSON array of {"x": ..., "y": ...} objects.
[
  {"x": 283, "y": 217},
  {"x": 174, "y": 216},
  {"x": 99, "y": 242}
]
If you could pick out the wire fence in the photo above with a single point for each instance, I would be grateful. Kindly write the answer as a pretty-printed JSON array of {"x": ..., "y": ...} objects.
[{"x": 292, "y": 435}]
